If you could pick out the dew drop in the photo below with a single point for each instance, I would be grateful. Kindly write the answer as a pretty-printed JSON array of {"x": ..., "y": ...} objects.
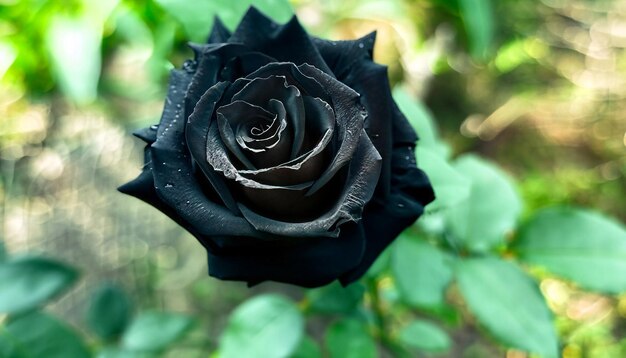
[
  {"x": 154, "y": 127},
  {"x": 400, "y": 205},
  {"x": 361, "y": 45},
  {"x": 190, "y": 66},
  {"x": 187, "y": 202},
  {"x": 168, "y": 185},
  {"x": 179, "y": 170}
]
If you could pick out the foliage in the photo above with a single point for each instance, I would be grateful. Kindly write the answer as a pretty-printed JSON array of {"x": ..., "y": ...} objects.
[{"x": 484, "y": 261}]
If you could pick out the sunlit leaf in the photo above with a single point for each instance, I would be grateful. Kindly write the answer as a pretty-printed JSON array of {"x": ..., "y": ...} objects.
[
  {"x": 74, "y": 48},
  {"x": 581, "y": 245},
  {"x": 421, "y": 271},
  {"x": 425, "y": 336},
  {"x": 40, "y": 335},
  {"x": 196, "y": 17},
  {"x": 29, "y": 282},
  {"x": 450, "y": 186},
  {"x": 478, "y": 19},
  {"x": 109, "y": 312},
  {"x": 265, "y": 326},
  {"x": 155, "y": 331},
  {"x": 508, "y": 304},
  {"x": 334, "y": 298},
  {"x": 349, "y": 338},
  {"x": 490, "y": 211}
]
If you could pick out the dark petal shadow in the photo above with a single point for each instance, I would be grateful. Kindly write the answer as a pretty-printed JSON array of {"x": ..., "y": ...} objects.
[
  {"x": 289, "y": 42},
  {"x": 306, "y": 263},
  {"x": 357, "y": 191},
  {"x": 219, "y": 32},
  {"x": 174, "y": 181}
]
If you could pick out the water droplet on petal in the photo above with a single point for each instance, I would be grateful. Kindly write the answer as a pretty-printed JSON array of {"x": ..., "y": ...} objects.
[
  {"x": 361, "y": 45},
  {"x": 400, "y": 205},
  {"x": 190, "y": 66},
  {"x": 154, "y": 127},
  {"x": 168, "y": 185}
]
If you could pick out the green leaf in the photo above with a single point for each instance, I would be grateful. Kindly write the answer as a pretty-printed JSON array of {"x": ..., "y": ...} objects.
[
  {"x": 490, "y": 211},
  {"x": 74, "y": 48},
  {"x": 113, "y": 352},
  {"x": 334, "y": 298},
  {"x": 422, "y": 121},
  {"x": 40, "y": 335},
  {"x": 508, "y": 304},
  {"x": 109, "y": 312},
  {"x": 264, "y": 326},
  {"x": 421, "y": 271},
  {"x": 308, "y": 348},
  {"x": 450, "y": 186},
  {"x": 197, "y": 16},
  {"x": 28, "y": 282},
  {"x": 478, "y": 18},
  {"x": 349, "y": 338},
  {"x": 381, "y": 264},
  {"x": 425, "y": 336},
  {"x": 3, "y": 252},
  {"x": 581, "y": 245},
  {"x": 155, "y": 331}
]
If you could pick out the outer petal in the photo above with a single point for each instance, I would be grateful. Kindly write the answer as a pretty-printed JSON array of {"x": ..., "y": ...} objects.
[
  {"x": 173, "y": 175},
  {"x": 384, "y": 221},
  {"x": 288, "y": 42},
  {"x": 307, "y": 263},
  {"x": 196, "y": 132},
  {"x": 340, "y": 55},
  {"x": 219, "y": 32}
]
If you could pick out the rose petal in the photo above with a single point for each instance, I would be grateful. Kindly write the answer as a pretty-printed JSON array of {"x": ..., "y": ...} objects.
[
  {"x": 219, "y": 32},
  {"x": 371, "y": 81},
  {"x": 358, "y": 190},
  {"x": 148, "y": 135},
  {"x": 305, "y": 168},
  {"x": 307, "y": 263},
  {"x": 217, "y": 157},
  {"x": 340, "y": 55},
  {"x": 288, "y": 42},
  {"x": 384, "y": 221},
  {"x": 261, "y": 91},
  {"x": 203, "y": 217},
  {"x": 196, "y": 131},
  {"x": 350, "y": 117},
  {"x": 307, "y": 85}
]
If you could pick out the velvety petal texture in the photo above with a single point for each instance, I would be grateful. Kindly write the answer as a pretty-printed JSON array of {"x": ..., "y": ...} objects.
[{"x": 283, "y": 154}]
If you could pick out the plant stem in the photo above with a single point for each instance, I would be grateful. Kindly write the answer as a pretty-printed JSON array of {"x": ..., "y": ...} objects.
[{"x": 381, "y": 322}]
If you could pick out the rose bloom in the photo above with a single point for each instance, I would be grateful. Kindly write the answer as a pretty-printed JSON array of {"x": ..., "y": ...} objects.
[{"x": 284, "y": 155}]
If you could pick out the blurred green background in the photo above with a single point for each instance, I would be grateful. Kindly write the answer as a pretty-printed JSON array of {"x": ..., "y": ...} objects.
[{"x": 536, "y": 88}]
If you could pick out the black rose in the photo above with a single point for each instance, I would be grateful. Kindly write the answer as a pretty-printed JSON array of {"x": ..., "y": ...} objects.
[{"x": 284, "y": 154}]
